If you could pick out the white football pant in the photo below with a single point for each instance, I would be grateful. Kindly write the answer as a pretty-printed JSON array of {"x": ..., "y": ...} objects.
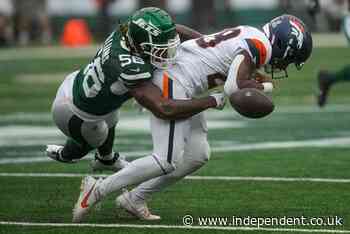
[
  {"x": 179, "y": 148},
  {"x": 72, "y": 121},
  {"x": 196, "y": 154}
]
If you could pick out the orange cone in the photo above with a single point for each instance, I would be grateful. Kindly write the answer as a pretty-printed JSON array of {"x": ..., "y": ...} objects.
[{"x": 76, "y": 34}]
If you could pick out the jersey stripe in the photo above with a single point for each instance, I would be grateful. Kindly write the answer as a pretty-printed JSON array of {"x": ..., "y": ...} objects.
[
  {"x": 165, "y": 85},
  {"x": 136, "y": 76},
  {"x": 132, "y": 84},
  {"x": 171, "y": 141},
  {"x": 168, "y": 93},
  {"x": 258, "y": 50}
]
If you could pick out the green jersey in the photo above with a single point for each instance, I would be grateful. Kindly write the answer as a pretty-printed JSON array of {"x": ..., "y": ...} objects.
[{"x": 103, "y": 85}]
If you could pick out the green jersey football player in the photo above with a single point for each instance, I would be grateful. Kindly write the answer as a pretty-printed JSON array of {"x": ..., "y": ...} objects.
[
  {"x": 325, "y": 78},
  {"x": 86, "y": 105}
]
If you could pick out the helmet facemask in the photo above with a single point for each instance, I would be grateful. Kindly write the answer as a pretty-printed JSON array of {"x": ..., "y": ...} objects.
[
  {"x": 152, "y": 34},
  {"x": 275, "y": 71},
  {"x": 162, "y": 55}
]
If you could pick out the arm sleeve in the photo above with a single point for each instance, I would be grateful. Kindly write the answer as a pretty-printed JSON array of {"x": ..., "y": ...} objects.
[
  {"x": 132, "y": 76},
  {"x": 231, "y": 82}
]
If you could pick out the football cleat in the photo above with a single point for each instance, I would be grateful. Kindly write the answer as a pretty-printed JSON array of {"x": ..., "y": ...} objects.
[
  {"x": 324, "y": 84},
  {"x": 54, "y": 152},
  {"x": 115, "y": 164},
  {"x": 138, "y": 209},
  {"x": 88, "y": 198}
]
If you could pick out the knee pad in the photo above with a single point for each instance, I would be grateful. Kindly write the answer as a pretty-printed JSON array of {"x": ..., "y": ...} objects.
[{"x": 94, "y": 133}]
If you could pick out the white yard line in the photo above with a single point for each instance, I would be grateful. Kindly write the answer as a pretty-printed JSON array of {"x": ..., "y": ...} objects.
[
  {"x": 155, "y": 226},
  {"x": 313, "y": 143},
  {"x": 33, "y": 135},
  {"x": 52, "y": 52},
  {"x": 343, "y": 142},
  {"x": 312, "y": 109},
  {"x": 336, "y": 108},
  {"x": 225, "y": 178},
  {"x": 270, "y": 179}
]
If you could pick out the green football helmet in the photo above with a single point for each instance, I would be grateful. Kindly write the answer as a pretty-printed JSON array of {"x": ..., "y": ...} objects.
[{"x": 152, "y": 34}]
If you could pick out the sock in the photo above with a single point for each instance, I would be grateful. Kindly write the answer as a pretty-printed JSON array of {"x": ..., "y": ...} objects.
[
  {"x": 137, "y": 171},
  {"x": 74, "y": 150},
  {"x": 105, "y": 150},
  {"x": 342, "y": 75}
]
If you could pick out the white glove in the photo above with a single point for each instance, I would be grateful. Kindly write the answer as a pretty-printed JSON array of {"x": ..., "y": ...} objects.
[{"x": 220, "y": 100}]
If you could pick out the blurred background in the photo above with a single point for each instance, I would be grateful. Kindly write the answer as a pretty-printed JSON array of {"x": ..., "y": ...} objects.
[{"x": 41, "y": 22}]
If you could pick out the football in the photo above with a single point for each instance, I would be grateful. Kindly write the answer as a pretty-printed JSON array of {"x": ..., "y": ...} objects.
[{"x": 252, "y": 103}]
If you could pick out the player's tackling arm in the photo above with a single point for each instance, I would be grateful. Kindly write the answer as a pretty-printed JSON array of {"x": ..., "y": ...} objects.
[
  {"x": 187, "y": 33},
  {"x": 150, "y": 96}
]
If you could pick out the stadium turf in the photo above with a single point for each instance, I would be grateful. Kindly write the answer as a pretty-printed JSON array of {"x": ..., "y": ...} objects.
[{"x": 293, "y": 163}]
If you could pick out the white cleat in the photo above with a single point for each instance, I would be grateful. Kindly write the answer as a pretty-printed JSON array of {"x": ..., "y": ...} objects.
[
  {"x": 138, "y": 209},
  {"x": 88, "y": 198},
  {"x": 54, "y": 152},
  {"x": 115, "y": 164}
]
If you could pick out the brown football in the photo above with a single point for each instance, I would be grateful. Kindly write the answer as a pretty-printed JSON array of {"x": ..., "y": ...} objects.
[{"x": 252, "y": 103}]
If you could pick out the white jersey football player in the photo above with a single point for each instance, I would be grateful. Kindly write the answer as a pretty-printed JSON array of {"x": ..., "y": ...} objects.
[{"x": 232, "y": 57}]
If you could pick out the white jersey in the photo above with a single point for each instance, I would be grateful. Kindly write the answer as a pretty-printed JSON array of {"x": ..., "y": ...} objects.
[{"x": 211, "y": 56}]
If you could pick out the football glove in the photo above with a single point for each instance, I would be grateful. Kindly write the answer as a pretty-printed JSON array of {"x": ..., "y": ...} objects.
[{"x": 220, "y": 100}]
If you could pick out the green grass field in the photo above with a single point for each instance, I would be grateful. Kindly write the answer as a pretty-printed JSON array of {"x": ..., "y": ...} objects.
[{"x": 293, "y": 163}]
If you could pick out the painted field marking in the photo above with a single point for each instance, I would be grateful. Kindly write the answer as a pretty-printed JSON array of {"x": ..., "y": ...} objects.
[
  {"x": 47, "y": 53},
  {"x": 227, "y": 178},
  {"x": 343, "y": 142},
  {"x": 40, "y": 78},
  {"x": 138, "y": 226},
  {"x": 211, "y": 114}
]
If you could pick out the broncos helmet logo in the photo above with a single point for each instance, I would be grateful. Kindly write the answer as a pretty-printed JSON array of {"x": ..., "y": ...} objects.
[
  {"x": 291, "y": 42},
  {"x": 298, "y": 31}
]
